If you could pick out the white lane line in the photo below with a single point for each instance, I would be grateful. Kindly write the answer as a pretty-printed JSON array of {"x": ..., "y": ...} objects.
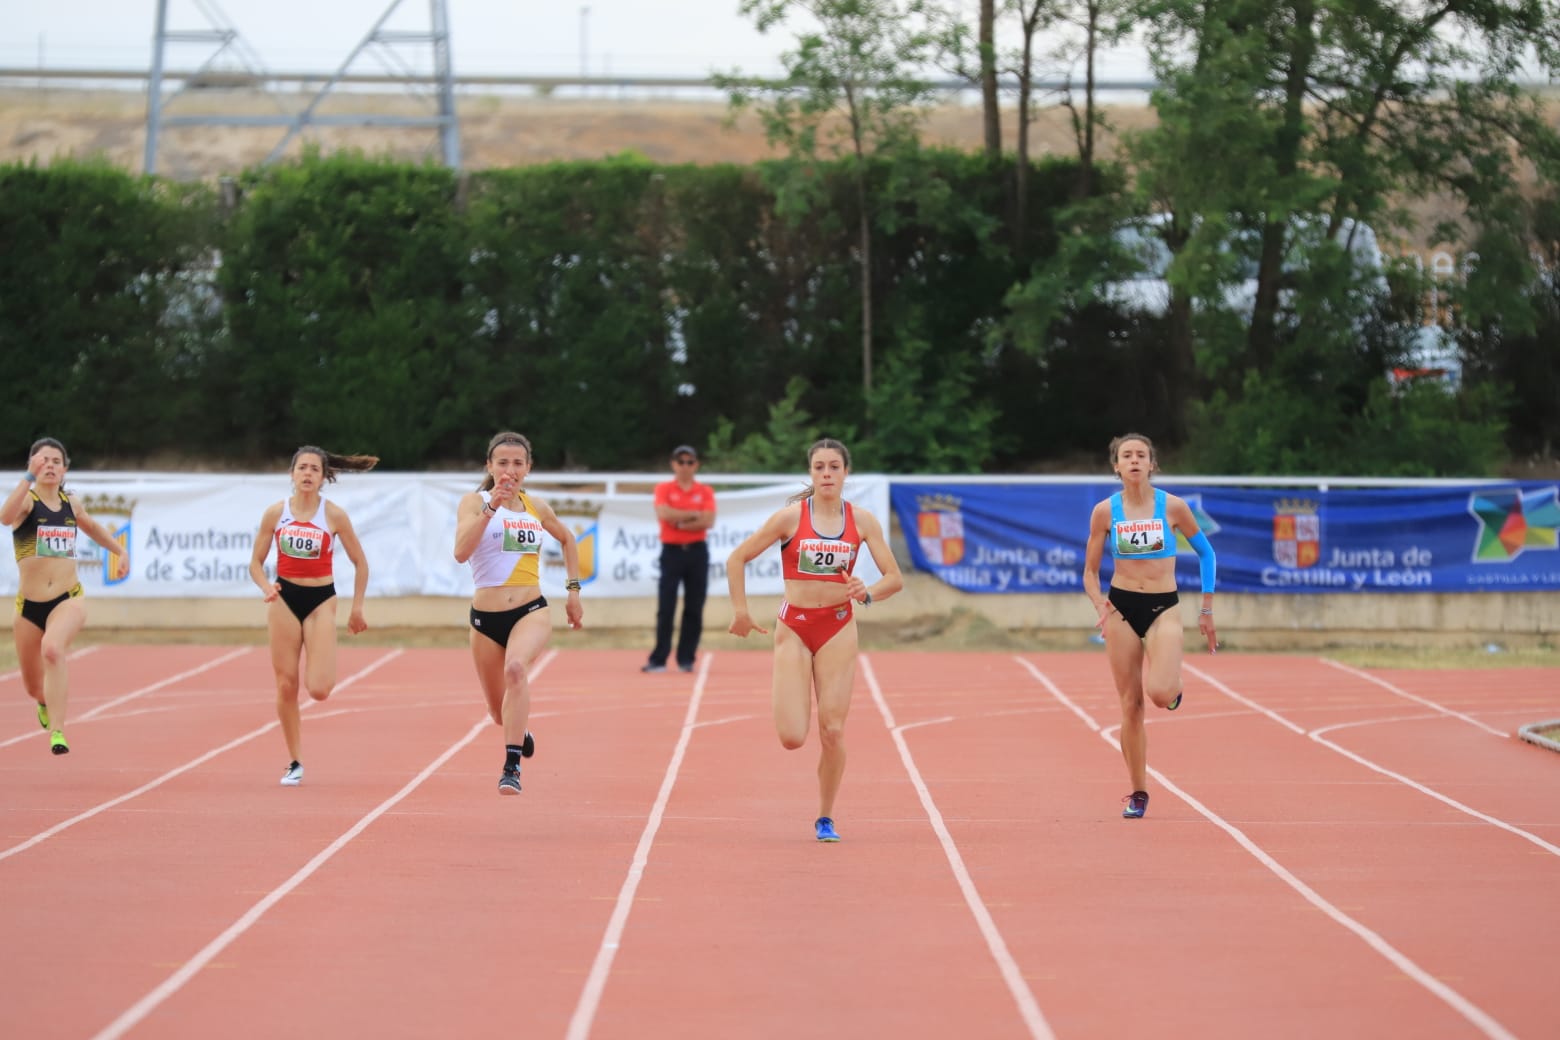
[
  {"x": 1399, "y": 691},
  {"x": 1480, "y": 1019},
  {"x": 64, "y": 825},
  {"x": 173, "y": 983},
  {"x": 1316, "y": 735},
  {"x": 596, "y": 982},
  {"x": 133, "y": 694},
  {"x": 74, "y": 655},
  {"x": 1028, "y": 1006}
]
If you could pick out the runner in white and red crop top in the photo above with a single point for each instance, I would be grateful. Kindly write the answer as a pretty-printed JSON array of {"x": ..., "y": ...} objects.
[
  {"x": 306, "y": 528},
  {"x": 820, "y": 536}
]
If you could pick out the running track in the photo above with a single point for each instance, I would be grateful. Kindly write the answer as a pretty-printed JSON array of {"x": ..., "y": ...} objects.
[{"x": 1328, "y": 852}]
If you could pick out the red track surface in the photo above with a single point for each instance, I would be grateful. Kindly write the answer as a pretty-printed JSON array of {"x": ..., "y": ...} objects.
[{"x": 1327, "y": 853}]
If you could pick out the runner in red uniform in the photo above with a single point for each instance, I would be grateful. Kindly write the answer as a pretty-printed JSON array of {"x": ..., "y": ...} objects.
[
  {"x": 820, "y": 536},
  {"x": 302, "y": 615}
]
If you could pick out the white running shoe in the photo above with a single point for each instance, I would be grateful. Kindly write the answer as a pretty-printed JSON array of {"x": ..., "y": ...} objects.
[{"x": 294, "y": 775}]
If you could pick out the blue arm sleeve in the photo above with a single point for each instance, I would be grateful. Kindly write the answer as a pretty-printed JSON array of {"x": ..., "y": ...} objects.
[{"x": 1207, "y": 563}]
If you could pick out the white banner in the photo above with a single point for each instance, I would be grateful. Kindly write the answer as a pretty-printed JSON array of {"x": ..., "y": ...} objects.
[{"x": 192, "y": 536}]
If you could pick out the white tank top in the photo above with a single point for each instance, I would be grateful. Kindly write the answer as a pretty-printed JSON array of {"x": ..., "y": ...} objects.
[{"x": 509, "y": 552}]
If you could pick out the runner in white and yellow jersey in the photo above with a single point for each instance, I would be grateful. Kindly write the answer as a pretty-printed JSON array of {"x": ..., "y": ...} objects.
[{"x": 499, "y": 530}]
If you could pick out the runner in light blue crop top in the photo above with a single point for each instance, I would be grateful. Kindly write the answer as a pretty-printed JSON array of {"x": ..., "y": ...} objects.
[{"x": 1147, "y": 539}]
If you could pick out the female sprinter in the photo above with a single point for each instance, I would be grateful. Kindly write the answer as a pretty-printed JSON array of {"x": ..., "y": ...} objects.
[
  {"x": 49, "y": 608},
  {"x": 820, "y": 535},
  {"x": 1139, "y": 616},
  {"x": 302, "y": 613},
  {"x": 499, "y": 529}
]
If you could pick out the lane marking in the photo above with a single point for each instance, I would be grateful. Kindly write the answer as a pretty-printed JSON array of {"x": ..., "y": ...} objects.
[
  {"x": 133, "y": 694},
  {"x": 81, "y": 817},
  {"x": 74, "y": 655},
  {"x": 1316, "y": 735},
  {"x": 1023, "y": 996},
  {"x": 1400, "y": 692},
  {"x": 1472, "y": 1013},
  {"x": 596, "y": 982},
  {"x": 173, "y": 983}
]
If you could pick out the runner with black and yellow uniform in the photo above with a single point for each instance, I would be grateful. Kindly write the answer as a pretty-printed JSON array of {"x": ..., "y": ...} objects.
[{"x": 50, "y": 611}]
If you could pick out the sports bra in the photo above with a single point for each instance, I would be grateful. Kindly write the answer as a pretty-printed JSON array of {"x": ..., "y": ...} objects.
[
  {"x": 509, "y": 552},
  {"x": 46, "y": 533},
  {"x": 1147, "y": 539},
  {"x": 810, "y": 556},
  {"x": 303, "y": 547}
]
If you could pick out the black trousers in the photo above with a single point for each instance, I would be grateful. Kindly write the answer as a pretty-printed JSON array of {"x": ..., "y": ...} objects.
[{"x": 687, "y": 566}]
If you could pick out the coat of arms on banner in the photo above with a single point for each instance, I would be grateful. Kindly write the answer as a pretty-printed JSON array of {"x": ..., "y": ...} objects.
[
  {"x": 1297, "y": 532},
  {"x": 113, "y": 512},
  {"x": 581, "y": 517},
  {"x": 940, "y": 528}
]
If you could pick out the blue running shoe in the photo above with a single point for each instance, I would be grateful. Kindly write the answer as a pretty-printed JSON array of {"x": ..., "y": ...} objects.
[
  {"x": 528, "y": 748},
  {"x": 826, "y": 831},
  {"x": 509, "y": 783},
  {"x": 1137, "y": 805},
  {"x": 1175, "y": 703}
]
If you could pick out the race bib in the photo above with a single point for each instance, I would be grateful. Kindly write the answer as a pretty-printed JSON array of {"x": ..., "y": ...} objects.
[
  {"x": 823, "y": 556},
  {"x": 57, "y": 541},
  {"x": 522, "y": 534},
  {"x": 300, "y": 542},
  {"x": 1137, "y": 537}
]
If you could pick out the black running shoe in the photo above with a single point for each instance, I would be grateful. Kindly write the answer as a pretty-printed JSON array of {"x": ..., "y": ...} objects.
[
  {"x": 528, "y": 748},
  {"x": 509, "y": 783}
]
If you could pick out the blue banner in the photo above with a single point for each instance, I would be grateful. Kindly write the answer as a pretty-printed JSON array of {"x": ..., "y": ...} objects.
[{"x": 1446, "y": 538}]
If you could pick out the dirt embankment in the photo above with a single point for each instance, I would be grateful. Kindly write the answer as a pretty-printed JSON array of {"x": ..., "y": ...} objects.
[
  {"x": 42, "y": 124},
  {"x": 496, "y": 131}
]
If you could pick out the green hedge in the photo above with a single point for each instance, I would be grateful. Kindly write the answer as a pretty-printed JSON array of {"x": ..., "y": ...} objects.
[{"x": 606, "y": 309}]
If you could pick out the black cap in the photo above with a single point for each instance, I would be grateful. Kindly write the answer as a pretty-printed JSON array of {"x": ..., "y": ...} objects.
[{"x": 684, "y": 449}]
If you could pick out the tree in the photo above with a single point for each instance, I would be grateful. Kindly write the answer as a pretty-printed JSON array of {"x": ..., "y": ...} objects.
[
  {"x": 855, "y": 92},
  {"x": 1276, "y": 115}
]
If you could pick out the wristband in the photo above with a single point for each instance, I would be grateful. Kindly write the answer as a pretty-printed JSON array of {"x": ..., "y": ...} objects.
[
  {"x": 572, "y": 585},
  {"x": 868, "y": 601},
  {"x": 1206, "y": 610},
  {"x": 487, "y": 509},
  {"x": 30, "y": 478}
]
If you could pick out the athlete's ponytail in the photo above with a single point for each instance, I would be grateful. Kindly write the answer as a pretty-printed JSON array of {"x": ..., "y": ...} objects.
[{"x": 332, "y": 463}]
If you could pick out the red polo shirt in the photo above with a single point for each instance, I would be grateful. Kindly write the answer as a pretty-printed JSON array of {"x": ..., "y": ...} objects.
[{"x": 698, "y": 498}]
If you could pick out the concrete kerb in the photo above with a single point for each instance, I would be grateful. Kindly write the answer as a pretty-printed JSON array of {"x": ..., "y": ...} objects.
[{"x": 1531, "y": 734}]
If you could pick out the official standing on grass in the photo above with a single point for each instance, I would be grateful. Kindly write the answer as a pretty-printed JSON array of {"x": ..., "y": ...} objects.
[{"x": 686, "y": 510}]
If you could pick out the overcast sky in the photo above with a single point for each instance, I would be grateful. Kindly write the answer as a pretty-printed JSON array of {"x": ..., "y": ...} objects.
[
  {"x": 519, "y": 37},
  {"x": 506, "y": 37}
]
